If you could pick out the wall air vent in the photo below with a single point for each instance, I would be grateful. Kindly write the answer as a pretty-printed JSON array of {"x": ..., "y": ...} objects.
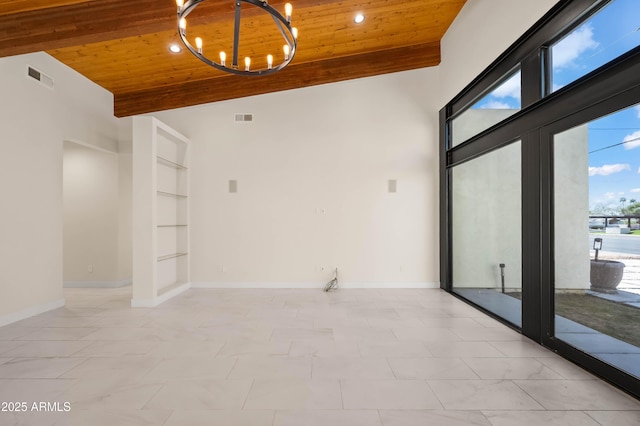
[
  {"x": 39, "y": 76},
  {"x": 242, "y": 118}
]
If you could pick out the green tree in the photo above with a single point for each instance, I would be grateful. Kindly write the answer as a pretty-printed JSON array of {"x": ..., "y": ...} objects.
[{"x": 633, "y": 209}]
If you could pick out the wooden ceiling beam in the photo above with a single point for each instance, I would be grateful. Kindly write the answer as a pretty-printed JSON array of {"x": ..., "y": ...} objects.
[
  {"x": 294, "y": 76},
  {"x": 101, "y": 20}
]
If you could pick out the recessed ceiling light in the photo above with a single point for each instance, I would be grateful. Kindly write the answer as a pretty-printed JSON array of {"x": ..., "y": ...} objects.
[
  {"x": 175, "y": 48},
  {"x": 359, "y": 18}
]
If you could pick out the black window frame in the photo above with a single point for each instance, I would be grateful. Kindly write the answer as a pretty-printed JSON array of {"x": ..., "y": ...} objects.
[{"x": 611, "y": 87}]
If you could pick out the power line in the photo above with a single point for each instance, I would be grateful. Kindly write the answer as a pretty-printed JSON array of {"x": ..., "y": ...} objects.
[{"x": 613, "y": 146}]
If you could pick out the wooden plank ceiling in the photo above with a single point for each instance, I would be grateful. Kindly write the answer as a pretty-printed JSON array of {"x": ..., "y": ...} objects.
[{"x": 122, "y": 45}]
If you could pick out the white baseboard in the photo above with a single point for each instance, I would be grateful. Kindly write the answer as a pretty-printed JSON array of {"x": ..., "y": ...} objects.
[
  {"x": 158, "y": 300},
  {"x": 30, "y": 312},
  {"x": 266, "y": 285},
  {"x": 97, "y": 284}
]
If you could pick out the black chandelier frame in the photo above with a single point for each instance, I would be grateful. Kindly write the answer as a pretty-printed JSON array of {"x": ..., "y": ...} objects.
[{"x": 283, "y": 24}]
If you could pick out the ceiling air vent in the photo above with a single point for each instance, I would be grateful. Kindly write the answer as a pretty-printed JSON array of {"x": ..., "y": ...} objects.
[
  {"x": 241, "y": 118},
  {"x": 41, "y": 77}
]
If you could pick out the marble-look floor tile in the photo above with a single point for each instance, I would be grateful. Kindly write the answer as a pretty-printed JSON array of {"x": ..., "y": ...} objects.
[
  {"x": 482, "y": 395},
  {"x": 294, "y": 395},
  {"x": 224, "y": 333},
  {"x": 426, "y": 334},
  {"x": 522, "y": 349},
  {"x": 565, "y": 368},
  {"x": 107, "y": 368},
  {"x": 112, "y": 417},
  {"x": 302, "y": 334},
  {"x": 388, "y": 394},
  {"x": 9, "y": 345},
  {"x": 117, "y": 349},
  {"x": 536, "y": 418},
  {"x": 351, "y": 368},
  {"x": 38, "y": 368},
  {"x": 221, "y": 417},
  {"x": 60, "y": 333},
  {"x": 48, "y": 348},
  {"x": 503, "y": 334},
  {"x": 431, "y": 368},
  {"x": 364, "y": 334},
  {"x": 11, "y": 332},
  {"x": 34, "y": 390},
  {"x": 271, "y": 368},
  {"x": 401, "y": 349},
  {"x": 316, "y": 358},
  {"x": 578, "y": 395},
  {"x": 327, "y": 417},
  {"x": 126, "y": 321},
  {"x": 325, "y": 349},
  {"x": 201, "y": 395},
  {"x": 252, "y": 349},
  {"x": 117, "y": 393},
  {"x": 616, "y": 418},
  {"x": 67, "y": 322},
  {"x": 511, "y": 368},
  {"x": 463, "y": 350},
  {"x": 30, "y": 418},
  {"x": 433, "y": 418},
  {"x": 191, "y": 368}
]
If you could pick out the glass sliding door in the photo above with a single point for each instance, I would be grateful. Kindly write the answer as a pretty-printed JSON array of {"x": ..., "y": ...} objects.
[
  {"x": 596, "y": 184},
  {"x": 486, "y": 214}
]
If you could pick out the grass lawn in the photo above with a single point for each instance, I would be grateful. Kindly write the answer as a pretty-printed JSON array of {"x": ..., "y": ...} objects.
[{"x": 615, "y": 319}]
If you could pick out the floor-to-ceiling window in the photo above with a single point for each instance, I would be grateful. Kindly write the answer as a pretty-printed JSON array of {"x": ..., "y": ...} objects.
[{"x": 540, "y": 166}]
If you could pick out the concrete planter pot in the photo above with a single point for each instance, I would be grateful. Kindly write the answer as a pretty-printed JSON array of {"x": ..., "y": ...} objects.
[{"x": 606, "y": 275}]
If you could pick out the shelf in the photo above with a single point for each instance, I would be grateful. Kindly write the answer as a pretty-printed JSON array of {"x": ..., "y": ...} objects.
[
  {"x": 171, "y": 256},
  {"x": 171, "y": 226},
  {"x": 170, "y": 163},
  {"x": 171, "y": 194}
]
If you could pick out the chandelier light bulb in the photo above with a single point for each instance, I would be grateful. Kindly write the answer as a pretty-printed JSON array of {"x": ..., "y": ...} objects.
[
  {"x": 283, "y": 22},
  {"x": 287, "y": 11}
]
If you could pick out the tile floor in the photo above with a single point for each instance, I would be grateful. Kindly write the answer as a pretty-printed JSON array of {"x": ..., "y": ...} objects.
[{"x": 291, "y": 358}]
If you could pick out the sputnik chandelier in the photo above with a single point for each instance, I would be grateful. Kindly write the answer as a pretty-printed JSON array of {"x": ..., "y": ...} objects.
[{"x": 283, "y": 24}]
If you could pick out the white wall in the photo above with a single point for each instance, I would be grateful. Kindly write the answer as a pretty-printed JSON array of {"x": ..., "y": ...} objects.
[
  {"x": 312, "y": 172},
  {"x": 486, "y": 220},
  {"x": 34, "y": 121},
  {"x": 91, "y": 204},
  {"x": 571, "y": 205},
  {"x": 481, "y": 32}
]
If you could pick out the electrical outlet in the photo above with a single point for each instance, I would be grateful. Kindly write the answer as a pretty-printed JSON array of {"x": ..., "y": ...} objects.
[{"x": 90, "y": 269}]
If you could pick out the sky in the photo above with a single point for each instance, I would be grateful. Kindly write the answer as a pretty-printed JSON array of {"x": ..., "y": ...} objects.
[{"x": 614, "y": 141}]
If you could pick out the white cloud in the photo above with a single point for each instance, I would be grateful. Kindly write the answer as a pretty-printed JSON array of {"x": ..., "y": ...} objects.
[
  {"x": 610, "y": 195},
  {"x": 571, "y": 47},
  {"x": 633, "y": 140},
  {"x": 510, "y": 88},
  {"x": 496, "y": 105},
  {"x": 608, "y": 169},
  {"x": 635, "y": 190}
]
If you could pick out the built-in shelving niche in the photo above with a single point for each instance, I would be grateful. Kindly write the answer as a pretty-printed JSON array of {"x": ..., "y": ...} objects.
[
  {"x": 161, "y": 212},
  {"x": 172, "y": 211}
]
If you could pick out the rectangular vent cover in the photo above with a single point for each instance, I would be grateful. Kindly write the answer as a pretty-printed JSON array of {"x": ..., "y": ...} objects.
[
  {"x": 241, "y": 118},
  {"x": 39, "y": 76}
]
